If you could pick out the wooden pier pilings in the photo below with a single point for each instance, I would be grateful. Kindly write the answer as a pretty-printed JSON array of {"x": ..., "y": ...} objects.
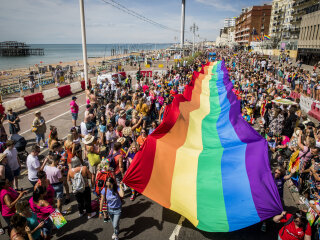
[{"x": 12, "y": 48}]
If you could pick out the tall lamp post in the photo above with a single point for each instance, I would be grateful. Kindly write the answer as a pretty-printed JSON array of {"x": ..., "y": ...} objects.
[
  {"x": 194, "y": 28},
  {"x": 183, "y": 7},
  {"x": 84, "y": 44}
]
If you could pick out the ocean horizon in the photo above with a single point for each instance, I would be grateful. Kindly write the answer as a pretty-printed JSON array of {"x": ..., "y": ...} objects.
[{"x": 55, "y": 53}]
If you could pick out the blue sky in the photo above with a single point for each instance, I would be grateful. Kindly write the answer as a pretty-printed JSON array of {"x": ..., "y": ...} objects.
[{"x": 58, "y": 21}]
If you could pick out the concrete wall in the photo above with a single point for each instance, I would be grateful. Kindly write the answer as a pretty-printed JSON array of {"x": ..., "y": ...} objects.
[{"x": 276, "y": 52}]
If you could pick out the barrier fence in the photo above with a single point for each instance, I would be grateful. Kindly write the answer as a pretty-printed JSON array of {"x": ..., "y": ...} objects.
[
  {"x": 15, "y": 88},
  {"x": 37, "y": 99},
  {"x": 307, "y": 104}
]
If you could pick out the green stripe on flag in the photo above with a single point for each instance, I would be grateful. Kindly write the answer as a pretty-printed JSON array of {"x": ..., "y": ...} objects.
[{"x": 211, "y": 211}]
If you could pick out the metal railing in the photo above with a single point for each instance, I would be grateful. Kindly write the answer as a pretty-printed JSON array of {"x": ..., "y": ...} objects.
[{"x": 15, "y": 88}]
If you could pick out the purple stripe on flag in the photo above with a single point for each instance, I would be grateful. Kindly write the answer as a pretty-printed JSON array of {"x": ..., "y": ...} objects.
[{"x": 263, "y": 189}]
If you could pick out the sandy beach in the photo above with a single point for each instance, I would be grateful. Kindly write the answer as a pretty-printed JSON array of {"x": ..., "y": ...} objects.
[
  {"x": 12, "y": 76},
  {"x": 8, "y": 77}
]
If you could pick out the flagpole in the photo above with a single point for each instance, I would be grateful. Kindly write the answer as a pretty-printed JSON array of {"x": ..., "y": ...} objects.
[{"x": 84, "y": 44}]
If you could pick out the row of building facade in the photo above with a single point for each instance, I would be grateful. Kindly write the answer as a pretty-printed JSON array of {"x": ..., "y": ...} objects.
[{"x": 291, "y": 25}]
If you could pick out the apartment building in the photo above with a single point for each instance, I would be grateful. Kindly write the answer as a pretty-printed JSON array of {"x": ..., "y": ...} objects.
[
  {"x": 309, "y": 38},
  {"x": 286, "y": 19},
  {"x": 281, "y": 22},
  {"x": 252, "y": 21},
  {"x": 229, "y": 22}
]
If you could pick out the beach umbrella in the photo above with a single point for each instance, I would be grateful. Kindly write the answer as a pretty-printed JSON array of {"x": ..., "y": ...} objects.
[{"x": 41, "y": 62}]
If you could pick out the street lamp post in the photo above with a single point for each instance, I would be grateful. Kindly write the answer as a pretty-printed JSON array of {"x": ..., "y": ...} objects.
[
  {"x": 84, "y": 45},
  {"x": 182, "y": 22},
  {"x": 193, "y": 29}
]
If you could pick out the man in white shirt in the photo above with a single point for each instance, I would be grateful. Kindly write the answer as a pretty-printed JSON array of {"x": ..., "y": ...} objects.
[
  {"x": 263, "y": 65},
  {"x": 13, "y": 161},
  {"x": 83, "y": 129},
  {"x": 33, "y": 164}
]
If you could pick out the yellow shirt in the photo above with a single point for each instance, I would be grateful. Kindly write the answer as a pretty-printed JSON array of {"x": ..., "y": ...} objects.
[
  {"x": 143, "y": 109},
  {"x": 249, "y": 111}
]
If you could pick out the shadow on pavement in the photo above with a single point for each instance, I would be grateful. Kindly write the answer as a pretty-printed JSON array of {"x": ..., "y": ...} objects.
[
  {"x": 140, "y": 225},
  {"x": 135, "y": 209},
  {"x": 71, "y": 224},
  {"x": 250, "y": 233},
  {"x": 170, "y": 216},
  {"x": 79, "y": 235}
]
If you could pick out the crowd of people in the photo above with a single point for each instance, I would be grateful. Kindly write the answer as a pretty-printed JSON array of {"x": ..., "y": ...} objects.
[
  {"x": 118, "y": 118},
  {"x": 293, "y": 139}
]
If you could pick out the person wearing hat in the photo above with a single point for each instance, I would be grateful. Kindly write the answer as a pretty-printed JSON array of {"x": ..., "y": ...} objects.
[
  {"x": 74, "y": 110},
  {"x": 92, "y": 151},
  {"x": 39, "y": 128},
  {"x": 13, "y": 120},
  {"x": 124, "y": 145}
]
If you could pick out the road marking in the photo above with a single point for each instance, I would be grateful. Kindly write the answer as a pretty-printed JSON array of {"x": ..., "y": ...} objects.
[
  {"x": 60, "y": 101},
  {"x": 53, "y": 118},
  {"x": 175, "y": 233},
  {"x": 43, "y": 151}
]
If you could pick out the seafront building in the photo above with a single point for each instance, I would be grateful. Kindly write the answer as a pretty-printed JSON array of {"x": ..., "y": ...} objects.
[
  {"x": 286, "y": 19},
  {"x": 222, "y": 39},
  {"x": 252, "y": 22},
  {"x": 283, "y": 33},
  {"x": 309, "y": 38},
  {"x": 229, "y": 22}
]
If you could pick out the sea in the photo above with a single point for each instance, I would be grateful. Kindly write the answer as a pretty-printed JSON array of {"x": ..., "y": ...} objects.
[{"x": 55, "y": 53}]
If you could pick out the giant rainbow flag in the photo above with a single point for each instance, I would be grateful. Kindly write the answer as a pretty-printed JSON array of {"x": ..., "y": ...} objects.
[{"x": 205, "y": 161}]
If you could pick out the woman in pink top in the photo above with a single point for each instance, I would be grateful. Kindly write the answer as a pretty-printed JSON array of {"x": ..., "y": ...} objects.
[
  {"x": 74, "y": 110},
  {"x": 8, "y": 198},
  {"x": 43, "y": 210}
]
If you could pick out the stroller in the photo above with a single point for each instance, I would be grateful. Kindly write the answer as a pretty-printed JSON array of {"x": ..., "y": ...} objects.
[{"x": 20, "y": 144}]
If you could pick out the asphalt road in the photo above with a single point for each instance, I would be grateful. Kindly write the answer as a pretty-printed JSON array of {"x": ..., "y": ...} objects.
[{"x": 142, "y": 218}]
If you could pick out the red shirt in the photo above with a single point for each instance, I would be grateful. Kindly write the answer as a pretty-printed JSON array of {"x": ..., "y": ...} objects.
[
  {"x": 173, "y": 92},
  {"x": 145, "y": 88},
  {"x": 291, "y": 232}
]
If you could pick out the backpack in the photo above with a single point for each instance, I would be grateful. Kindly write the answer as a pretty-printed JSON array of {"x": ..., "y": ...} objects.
[
  {"x": 112, "y": 157},
  {"x": 78, "y": 184},
  {"x": 101, "y": 181}
]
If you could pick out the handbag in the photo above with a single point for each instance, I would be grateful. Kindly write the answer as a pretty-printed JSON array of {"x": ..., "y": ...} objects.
[{"x": 34, "y": 129}]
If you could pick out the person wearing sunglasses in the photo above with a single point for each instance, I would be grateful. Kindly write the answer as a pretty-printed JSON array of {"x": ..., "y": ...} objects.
[
  {"x": 296, "y": 226},
  {"x": 142, "y": 138},
  {"x": 112, "y": 194}
]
